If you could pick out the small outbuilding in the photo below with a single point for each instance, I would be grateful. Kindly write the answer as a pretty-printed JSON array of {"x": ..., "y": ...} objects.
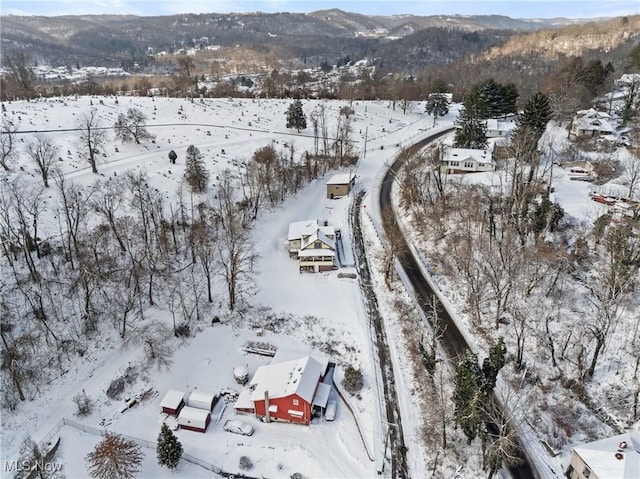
[
  {"x": 340, "y": 185},
  {"x": 202, "y": 400},
  {"x": 194, "y": 419},
  {"x": 172, "y": 402}
]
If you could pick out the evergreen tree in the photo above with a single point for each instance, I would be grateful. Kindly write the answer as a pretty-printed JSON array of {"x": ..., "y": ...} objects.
[
  {"x": 169, "y": 449},
  {"x": 492, "y": 365},
  {"x": 296, "y": 117},
  {"x": 437, "y": 105},
  {"x": 114, "y": 458},
  {"x": 466, "y": 395},
  {"x": 471, "y": 131},
  {"x": 196, "y": 173},
  {"x": 535, "y": 115},
  {"x": 489, "y": 99},
  {"x": 173, "y": 156}
]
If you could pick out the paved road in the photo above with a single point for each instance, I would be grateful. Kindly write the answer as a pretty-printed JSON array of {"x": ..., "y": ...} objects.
[{"x": 445, "y": 328}]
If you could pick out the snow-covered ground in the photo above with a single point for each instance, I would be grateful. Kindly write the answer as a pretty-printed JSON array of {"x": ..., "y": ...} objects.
[{"x": 301, "y": 311}]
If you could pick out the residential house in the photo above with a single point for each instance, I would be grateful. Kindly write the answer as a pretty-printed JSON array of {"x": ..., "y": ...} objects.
[
  {"x": 500, "y": 128},
  {"x": 340, "y": 185},
  {"x": 313, "y": 243},
  {"x": 616, "y": 457},
  {"x": 627, "y": 80},
  {"x": 590, "y": 123},
  {"x": 466, "y": 160},
  {"x": 286, "y": 390}
]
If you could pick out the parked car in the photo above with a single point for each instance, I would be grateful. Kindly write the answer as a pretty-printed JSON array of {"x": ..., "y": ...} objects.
[
  {"x": 238, "y": 427},
  {"x": 330, "y": 412}
]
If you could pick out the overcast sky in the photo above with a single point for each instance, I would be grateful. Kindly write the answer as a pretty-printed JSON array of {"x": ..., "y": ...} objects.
[{"x": 511, "y": 8}]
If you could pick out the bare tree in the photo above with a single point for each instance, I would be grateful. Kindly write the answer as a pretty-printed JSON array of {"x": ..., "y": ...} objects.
[
  {"x": 42, "y": 151},
  {"x": 114, "y": 458},
  {"x": 107, "y": 200},
  {"x": 234, "y": 250},
  {"x": 92, "y": 136},
  {"x": 21, "y": 71},
  {"x": 631, "y": 174},
  {"x": 7, "y": 143},
  {"x": 132, "y": 127}
]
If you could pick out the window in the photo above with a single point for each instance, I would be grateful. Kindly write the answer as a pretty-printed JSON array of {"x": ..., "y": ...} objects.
[
  {"x": 586, "y": 472},
  {"x": 296, "y": 402},
  {"x": 468, "y": 164},
  {"x": 317, "y": 244}
]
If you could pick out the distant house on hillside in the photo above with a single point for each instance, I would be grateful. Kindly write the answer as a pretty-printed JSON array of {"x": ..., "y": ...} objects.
[
  {"x": 286, "y": 390},
  {"x": 627, "y": 79},
  {"x": 615, "y": 457},
  {"x": 313, "y": 244},
  {"x": 340, "y": 185},
  {"x": 466, "y": 160},
  {"x": 590, "y": 123}
]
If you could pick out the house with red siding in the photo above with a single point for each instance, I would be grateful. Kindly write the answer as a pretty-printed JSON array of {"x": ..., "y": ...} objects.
[{"x": 286, "y": 390}]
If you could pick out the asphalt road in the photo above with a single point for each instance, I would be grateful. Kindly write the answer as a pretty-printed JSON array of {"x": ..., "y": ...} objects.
[{"x": 444, "y": 327}]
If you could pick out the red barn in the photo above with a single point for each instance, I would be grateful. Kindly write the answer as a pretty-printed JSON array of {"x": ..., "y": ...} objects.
[
  {"x": 287, "y": 391},
  {"x": 194, "y": 419},
  {"x": 172, "y": 402}
]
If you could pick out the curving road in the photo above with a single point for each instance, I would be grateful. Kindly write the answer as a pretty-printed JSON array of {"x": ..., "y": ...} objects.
[{"x": 445, "y": 328}]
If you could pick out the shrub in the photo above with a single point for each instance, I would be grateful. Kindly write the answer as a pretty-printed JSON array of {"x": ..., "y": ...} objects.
[
  {"x": 83, "y": 403},
  {"x": 245, "y": 463},
  {"x": 352, "y": 381}
]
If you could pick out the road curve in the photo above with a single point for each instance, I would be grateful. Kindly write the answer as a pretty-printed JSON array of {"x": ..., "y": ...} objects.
[{"x": 445, "y": 328}]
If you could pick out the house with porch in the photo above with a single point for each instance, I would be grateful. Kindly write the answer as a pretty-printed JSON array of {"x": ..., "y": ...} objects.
[
  {"x": 313, "y": 243},
  {"x": 467, "y": 160},
  {"x": 287, "y": 390},
  {"x": 589, "y": 124}
]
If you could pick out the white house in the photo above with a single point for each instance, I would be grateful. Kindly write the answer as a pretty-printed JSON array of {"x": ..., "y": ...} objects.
[
  {"x": 590, "y": 123},
  {"x": 313, "y": 243},
  {"x": 466, "y": 160},
  {"x": 616, "y": 457},
  {"x": 500, "y": 128}
]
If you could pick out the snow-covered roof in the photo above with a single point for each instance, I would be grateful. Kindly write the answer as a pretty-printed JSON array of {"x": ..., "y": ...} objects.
[
  {"x": 464, "y": 154},
  {"x": 192, "y": 415},
  {"x": 498, "y": 124},
  {"x": 244, "y": 400},
  {"x": 322, "y": 395},
  {"x": 616, "y": 457},
  {"x": 172, "y": 399},
  {"x": 299, "y": 377},
  {"x": 198, "y": 397},
  {"x": 341, "y": 179},
  {"x": 592, "y": 113},
  {"x": 588, "y": 123},
  {"x": 300, "y": 229},
  {"x": 318, "y": 235},
  {"x": 283, "y": 355}
]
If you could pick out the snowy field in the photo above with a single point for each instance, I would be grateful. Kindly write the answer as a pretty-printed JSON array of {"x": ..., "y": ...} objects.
[{"x": 298, "y": 311}]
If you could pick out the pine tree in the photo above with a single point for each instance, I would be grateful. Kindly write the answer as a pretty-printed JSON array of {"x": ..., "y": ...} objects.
[
  {"x": 195, "y": 172},
  {"x": 114, "y": 458},
  {"x": 492, "y": 365},
  {"x": 437, "y": 105},
  {"x": 466, "y": 395},
  {"x": 535, "y": 115},
  {"x": 169, "y": 450},
  {"x": 295, "y": 116},
  {"x": 471, "y": 132},
  {"x": 173, "y": 156}
]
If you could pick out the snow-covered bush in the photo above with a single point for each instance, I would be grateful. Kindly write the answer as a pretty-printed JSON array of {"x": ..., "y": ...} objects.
[
  {"x": 352, "y": 381},
  {"x": 245, "y": 463}
]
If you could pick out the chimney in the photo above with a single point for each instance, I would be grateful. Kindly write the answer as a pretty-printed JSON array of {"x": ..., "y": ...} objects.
[{"x": 266, "y": 406}]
